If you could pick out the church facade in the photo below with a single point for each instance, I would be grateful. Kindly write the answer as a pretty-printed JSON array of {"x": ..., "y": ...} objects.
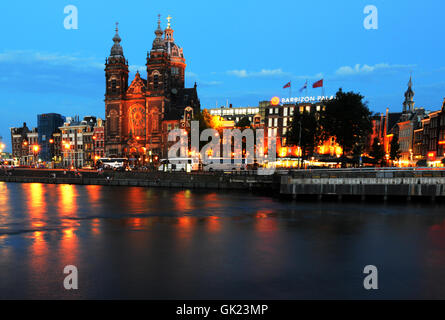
[{"x": 140, "y": 115}]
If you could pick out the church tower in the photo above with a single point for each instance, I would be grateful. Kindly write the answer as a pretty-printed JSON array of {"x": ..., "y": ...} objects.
[
  {"x": 116, "y": 77},
  {"x": 408, "y": 104}
]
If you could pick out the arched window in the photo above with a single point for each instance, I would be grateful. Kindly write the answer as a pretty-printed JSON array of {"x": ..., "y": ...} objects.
[
  {"x": 113, "y": 86},
  {"x": 155, "y": 81}
]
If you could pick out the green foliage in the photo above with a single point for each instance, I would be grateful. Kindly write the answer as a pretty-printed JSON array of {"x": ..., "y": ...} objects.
[
  {"x": 347, "y": 118},
  {"x": 310, "y": 132},
  {"x": 377, "y": 151},
  {"x": 243, "y": 123},
  {"x": 204, "y": 118}
]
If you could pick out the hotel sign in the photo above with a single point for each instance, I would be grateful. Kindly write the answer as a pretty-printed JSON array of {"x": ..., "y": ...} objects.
[{"x": 306, "y": 99}]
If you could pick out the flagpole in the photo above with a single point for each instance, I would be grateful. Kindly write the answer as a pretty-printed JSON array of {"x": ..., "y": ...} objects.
[
  {"x": 322, "y": 89},
  {"x": 290, "y": 90}
]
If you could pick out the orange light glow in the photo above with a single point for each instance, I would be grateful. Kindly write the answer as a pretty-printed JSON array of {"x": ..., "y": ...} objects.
[
  {"x": 36, "y": 148},
  {"x": 51, "y": 140},
  {"x": 275, "y": 101}
]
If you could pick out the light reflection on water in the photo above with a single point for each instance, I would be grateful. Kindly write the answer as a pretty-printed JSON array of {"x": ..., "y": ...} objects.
[{"x": 131, "y": 242}]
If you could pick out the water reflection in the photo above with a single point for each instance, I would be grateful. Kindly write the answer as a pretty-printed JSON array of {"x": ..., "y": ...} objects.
[
  {"x": 213, "y": 224},
  {"x": 4, "y": 204},
  {"x": 157, "y": 243},
  {"x": 36, "y": 204},
  {"x": 67, "y": 203},
  {"x": 183, "y": 201}
]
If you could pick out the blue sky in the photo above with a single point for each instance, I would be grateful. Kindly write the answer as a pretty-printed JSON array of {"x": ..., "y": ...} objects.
[{"x": 243, "y": 51}]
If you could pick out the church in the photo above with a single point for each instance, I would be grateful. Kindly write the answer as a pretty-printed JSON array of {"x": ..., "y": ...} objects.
[{"x": 140, "y": 115}]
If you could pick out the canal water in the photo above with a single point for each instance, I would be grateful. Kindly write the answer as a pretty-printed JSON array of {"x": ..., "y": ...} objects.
[{"x": 140, "y": 243}]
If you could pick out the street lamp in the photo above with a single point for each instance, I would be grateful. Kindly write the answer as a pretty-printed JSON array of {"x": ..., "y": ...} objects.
[{"x": 35, "y": 150}]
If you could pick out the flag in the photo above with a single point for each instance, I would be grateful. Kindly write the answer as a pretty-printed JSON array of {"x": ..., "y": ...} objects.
[
  {"x": 318, "y": 84},
  {"x": 304, "y": 87},
  {"x": 287, "y": 85}
]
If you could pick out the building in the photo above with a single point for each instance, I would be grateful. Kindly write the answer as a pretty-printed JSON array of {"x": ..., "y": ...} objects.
[
  {"x": 99, "y": 139},
  {"x": 410, "y": 120},
  {"x": 404, "y": 126},
  {"x": 433, "y": 137},
  {"x": 25, "y": 148},
  {"x": 57, "y": 149},
  {"x": 135, "y": 113},
  {"x": 77, "y": 142},
  {"x": 238, "y": 113},
  {"x": 47, "y": 125}
]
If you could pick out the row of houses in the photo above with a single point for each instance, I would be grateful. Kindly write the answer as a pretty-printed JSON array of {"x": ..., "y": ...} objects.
[
  {"x": 420, "y": 133},
  {"x": 59, "y": 142}
]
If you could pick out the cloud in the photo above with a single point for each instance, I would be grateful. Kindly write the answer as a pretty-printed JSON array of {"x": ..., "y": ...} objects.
[
  {"x": 263, "y": 73},
  {"x": 209, "y": 83},
  {"x": 51, "y": 59},
  {"x": 191, "y": 74},
  {"x": 366, "y": 69},
  {"x": 41, "y": 72}
]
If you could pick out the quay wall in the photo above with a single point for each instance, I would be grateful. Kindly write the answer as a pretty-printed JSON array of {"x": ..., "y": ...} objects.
[
  {"x": 386, "y": 183},
  {"x": 240, "y": 181}
]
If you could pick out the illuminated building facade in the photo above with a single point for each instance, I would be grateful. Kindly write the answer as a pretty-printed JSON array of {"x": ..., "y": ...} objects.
[
  {"x": 403, "y": 126},
  {"x": 433, "y": 137},
  {"x": 77, "y": 142},
  {"x": 278, "y": 122},
  {"x": 25, "y": 148},
  {"x": 135, "y": 113},
  {"x": 99, "y": 139},
  {"x": 254, "y": 114}
]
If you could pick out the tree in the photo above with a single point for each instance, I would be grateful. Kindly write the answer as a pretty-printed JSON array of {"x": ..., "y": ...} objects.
[
  {"x": 205, "y": 122},
  {"x": 204, "y": 118},
  {"x": 243, "y": 123},
  {"x": 377, "y": 151},
  {"x": 348, "y": 119},
  {"x": 304, "y": 132},
  {"x": 395, "y": 152}
]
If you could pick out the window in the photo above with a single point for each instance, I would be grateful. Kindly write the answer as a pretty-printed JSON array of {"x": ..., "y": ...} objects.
[
  {"x": 270, "y": 122},
  {"x": 155, "y": 81},
  {"x": 113, "y": 86},
  {"x": 285, "y": 112}
]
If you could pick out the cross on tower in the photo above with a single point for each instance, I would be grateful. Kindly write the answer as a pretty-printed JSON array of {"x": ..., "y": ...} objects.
[
  {"x": 169, "y": 21},
  {"x": 117, "y": 26}
]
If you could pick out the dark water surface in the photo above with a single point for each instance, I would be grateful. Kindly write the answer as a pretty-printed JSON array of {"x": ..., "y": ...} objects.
[{"x": 131, "y": 242}]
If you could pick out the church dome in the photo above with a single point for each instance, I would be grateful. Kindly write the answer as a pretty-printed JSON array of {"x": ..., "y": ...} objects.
[{"x": 116, "y": 49}]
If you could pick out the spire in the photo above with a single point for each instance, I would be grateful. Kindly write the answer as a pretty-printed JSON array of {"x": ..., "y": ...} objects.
[
  {"x": 408, "y": 104},
  {"x": 117, "y": 50},
  {"x": 169, "y": 30},
  {"x": 169, "y": 22},
  {"x": 158, "y": 43}
]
